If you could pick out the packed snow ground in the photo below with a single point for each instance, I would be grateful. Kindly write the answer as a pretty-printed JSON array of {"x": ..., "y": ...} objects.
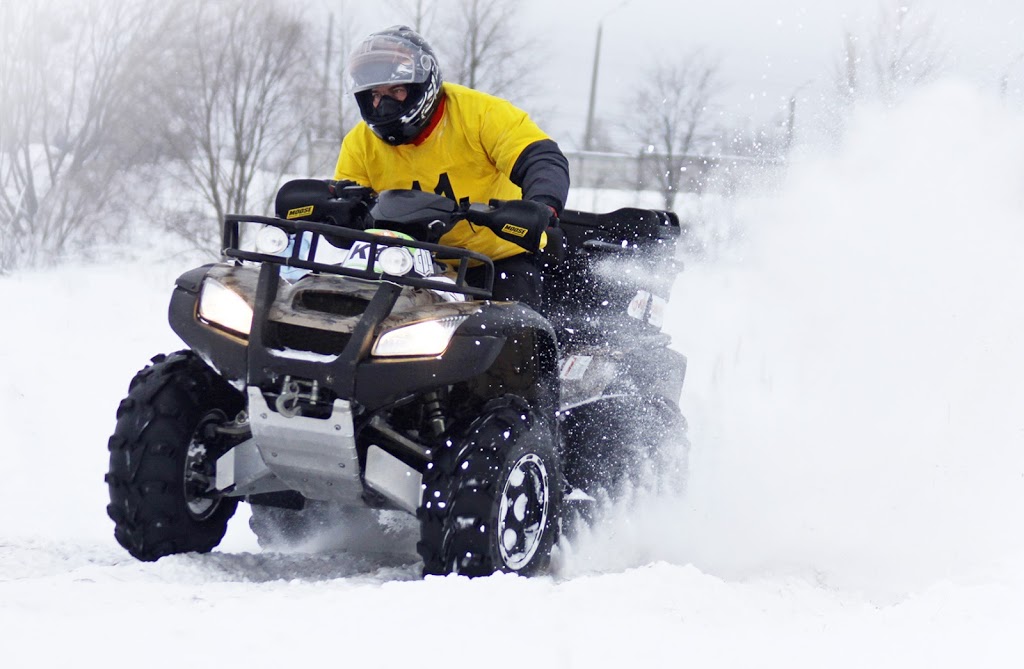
[{"x": 856, "y": 405}]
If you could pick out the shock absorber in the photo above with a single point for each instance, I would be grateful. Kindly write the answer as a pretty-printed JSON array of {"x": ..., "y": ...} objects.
[{"x": 433, "y": 414}]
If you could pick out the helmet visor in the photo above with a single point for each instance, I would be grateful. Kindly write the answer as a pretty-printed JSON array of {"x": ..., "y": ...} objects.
[{"x": 382, "y": 60}]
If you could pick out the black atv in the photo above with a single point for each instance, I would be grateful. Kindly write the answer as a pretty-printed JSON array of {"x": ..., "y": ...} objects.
[{"x": 331, "y": 366}]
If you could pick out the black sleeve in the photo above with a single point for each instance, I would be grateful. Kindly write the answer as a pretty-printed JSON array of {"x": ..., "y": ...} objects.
[{"x": 543, "y": 173}]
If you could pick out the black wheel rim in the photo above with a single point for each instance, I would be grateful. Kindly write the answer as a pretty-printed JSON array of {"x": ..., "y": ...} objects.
[
  {"x": 523, "y": 511},
  {"x": 200, "y": 472}
]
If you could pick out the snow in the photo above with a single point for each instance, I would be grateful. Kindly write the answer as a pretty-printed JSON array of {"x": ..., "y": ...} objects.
[{"x": 856, "y": 482}]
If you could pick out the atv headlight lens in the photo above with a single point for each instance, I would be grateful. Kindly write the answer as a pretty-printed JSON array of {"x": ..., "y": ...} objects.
[
  {"x": 220, "y": 305},
  {"x": 424, "y": 338},
  {"x": 394, "y": 260},
  {"x": 271, "y": 240}
]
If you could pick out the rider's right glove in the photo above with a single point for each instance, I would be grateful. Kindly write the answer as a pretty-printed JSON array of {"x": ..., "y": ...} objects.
[
  {"x": 554, "y": 250},
  {"x": 521, "y": 222}
]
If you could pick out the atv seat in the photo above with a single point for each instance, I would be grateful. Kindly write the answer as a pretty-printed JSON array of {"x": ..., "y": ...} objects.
[{"x": 616, "y": 275}]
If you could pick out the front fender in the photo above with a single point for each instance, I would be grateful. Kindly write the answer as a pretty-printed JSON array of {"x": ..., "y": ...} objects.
[
  {"x": 527, "y": 365},
  {"x": 222, "y": 350},
  {"x": 502, "y": 349}
]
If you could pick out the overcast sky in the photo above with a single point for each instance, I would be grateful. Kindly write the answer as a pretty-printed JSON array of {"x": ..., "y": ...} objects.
[{"x": 769, "y": 48}]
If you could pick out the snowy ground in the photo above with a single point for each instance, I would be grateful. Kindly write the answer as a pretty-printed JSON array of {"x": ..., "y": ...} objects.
[{"x": 857, "y": 476}]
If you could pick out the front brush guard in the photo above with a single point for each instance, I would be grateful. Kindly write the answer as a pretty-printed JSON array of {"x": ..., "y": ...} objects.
[{"x": 231, "y": 249}]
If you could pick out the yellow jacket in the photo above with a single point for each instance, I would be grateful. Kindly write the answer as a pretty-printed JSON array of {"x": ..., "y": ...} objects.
[{"x": 468, "y": 156}]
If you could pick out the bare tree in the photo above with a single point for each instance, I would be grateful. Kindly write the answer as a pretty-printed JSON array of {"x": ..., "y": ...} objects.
[
  {"x": 337, "y": 111},
  {"x": 670, "y": 112},
  {"x": 1004, "y": 79},
  {"x": 480, "y": 47},
  {"x": 243, "y": 104},
  {"x": 419, "y": 14},
  {"x": 902, "y": 50},
  {"x": 63, "y": 144}
]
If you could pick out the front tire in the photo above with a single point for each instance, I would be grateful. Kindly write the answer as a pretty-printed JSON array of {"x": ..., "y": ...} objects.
[
  {"x": 162, "y": 456},
  {"x": 492, "y": 500}
]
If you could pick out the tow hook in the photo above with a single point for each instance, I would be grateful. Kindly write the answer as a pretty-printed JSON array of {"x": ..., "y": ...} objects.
[{"x": 287, "y": 403}]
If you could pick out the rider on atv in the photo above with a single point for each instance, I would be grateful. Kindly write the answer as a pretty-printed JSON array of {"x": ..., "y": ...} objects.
[
  {"x": 333, "y": 367},
  {"x": 422, "y": 133}
]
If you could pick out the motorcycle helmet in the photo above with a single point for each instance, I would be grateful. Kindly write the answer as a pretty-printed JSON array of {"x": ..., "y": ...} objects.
[{"x": 396, "y": 56}]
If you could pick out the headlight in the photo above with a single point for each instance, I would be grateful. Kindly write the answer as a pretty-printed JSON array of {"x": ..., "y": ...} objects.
[
  {"x": 425, "y": 338},
  {"x": 223, "y": 306},
  {"x": 271, "y": 240},
  {"x": 394, "y": 260}
]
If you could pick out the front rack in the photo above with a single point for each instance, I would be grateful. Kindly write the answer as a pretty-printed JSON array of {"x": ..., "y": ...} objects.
[{"x": 230, "y": 249}]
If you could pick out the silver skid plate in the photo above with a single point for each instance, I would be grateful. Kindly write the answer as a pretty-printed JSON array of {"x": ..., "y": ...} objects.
[{"x": 315, "y": 456}]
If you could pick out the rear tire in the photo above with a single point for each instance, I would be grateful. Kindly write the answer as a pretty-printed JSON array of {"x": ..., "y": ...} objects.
[
  {"x": 492, "y": 499},
  {"x": 162, "y": 457},
  {"x": 626, "y": 440}
]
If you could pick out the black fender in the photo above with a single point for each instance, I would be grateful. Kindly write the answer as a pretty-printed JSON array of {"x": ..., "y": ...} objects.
[
  {"x": 219, "y": 348},
  {"x": 384, "y": 381},
  {"x": 505, "y": 348},
  {"x": 527, "y": 365}
]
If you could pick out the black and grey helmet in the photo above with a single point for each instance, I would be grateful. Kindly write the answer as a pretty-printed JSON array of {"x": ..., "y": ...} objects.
[{"x": 396, "y": 56}]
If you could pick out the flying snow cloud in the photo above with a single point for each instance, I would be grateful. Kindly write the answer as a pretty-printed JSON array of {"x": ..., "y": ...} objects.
[{"x": 855, "y": 389}]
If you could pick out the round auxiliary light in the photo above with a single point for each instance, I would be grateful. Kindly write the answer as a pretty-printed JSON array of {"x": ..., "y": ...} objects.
[
  {"x": 395, "y": 261},
  {"x": 271, "y": 240}
]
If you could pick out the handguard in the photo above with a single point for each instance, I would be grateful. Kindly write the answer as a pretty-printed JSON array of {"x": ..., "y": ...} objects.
[
  {"x": 521, "y": 222},
  {"x": 425, "y": 216},
  {"x": 341, "y": 203}
]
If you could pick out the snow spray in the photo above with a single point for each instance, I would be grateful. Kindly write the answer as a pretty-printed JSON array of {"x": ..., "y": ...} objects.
[{"x": 856, "y": 379}]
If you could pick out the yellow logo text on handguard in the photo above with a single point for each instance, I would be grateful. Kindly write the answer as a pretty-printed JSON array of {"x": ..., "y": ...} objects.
[
  {"x": 512, "y": 230},
  {"x": 300, "y": 212}
]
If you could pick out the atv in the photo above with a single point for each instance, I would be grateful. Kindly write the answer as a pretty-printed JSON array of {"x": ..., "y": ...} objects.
[{"x": 339, "y": 360}]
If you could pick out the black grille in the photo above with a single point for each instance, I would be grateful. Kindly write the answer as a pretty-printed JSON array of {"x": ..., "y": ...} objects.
[
  {"x": 331, "y": 303},
  {"x": 302, "y": 338}
]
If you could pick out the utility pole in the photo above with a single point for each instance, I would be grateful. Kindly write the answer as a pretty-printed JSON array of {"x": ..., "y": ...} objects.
[
  {"x": 588, "y": 134},
  {"x": 791, "y": 115}
]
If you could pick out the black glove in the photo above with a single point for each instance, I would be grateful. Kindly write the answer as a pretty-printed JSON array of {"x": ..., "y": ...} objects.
[
  {"x": 349, "y": 190},
  {"x": 554, "y": 250},
  {"x": 521, "y": 222},
  {"x": 350, "y": 206}
]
